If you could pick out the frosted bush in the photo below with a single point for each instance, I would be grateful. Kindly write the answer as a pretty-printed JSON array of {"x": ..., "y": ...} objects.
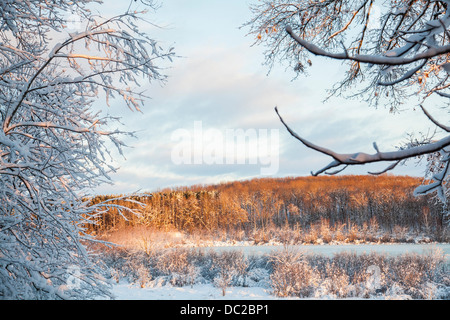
[
  {"x": 325, "y": 231},
  {"x": 290, "y": 272},
  {"x": 336, "y": 281},
  {"x": 400, "y": 233},
  {"x": 143, "y": 276},
  {"x": 258, "y": 277},
  {"x": 296, "y": 279},
  {"x": 177, "y": 265},
  {"x": 229, "y": 268},
  {"x": 414, "y": 273},
  {"x": 292, "y": 275}
]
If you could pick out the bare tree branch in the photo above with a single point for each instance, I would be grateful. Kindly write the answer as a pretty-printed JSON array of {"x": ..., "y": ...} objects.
[
  {"x": 390, "y": 167},
  {"x": 440, "y": 125},
  {"x": 406, "y": 56},
  {"x": 360, "y": 158},
  {"x": 380, "y": 60}
]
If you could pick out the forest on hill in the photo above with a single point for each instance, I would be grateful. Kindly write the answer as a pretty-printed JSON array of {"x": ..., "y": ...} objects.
[{"x": 294, "y": 209}]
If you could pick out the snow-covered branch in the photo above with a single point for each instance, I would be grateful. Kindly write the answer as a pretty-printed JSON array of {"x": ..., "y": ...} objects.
[
  {"x": 394, "y": 51},
  {"x": 360, "y": 158},
  {"x": 52, "y": 145},
  {"x": 372, "y": 59},
  {"x": 432, "y": 119},
  {"x": 399, "y": 49}
]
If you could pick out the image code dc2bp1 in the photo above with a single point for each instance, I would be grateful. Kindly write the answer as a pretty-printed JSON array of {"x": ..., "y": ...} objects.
[
  {"x": 238, "y": 309},
  {"x": 244, "y": 309}
]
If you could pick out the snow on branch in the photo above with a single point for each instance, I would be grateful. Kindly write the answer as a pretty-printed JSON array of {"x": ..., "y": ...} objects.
[
  {"x": 372, "y": 59},
  {"x": 54, "y": 147},
  {"x": 438, "y": 180},
  {"x": 432, "y": 119},
  {"x": 360, "y": 158},
  {"x": 395, "y": 52}
]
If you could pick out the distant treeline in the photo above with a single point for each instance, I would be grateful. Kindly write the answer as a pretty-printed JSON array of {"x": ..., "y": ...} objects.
[{"x": 381, "y": 202}]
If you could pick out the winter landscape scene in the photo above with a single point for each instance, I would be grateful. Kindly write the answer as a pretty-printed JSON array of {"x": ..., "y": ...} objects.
[{"x": 269, "y": 150}]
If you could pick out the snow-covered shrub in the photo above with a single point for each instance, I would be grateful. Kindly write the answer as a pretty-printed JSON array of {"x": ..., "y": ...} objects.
[
  {"x": 144, "y": 276},
  {"x": 353, "y": 232},
  {"x": 230, "y": 268},
  {"x": 177, "y": 265},
  {"x": 415, "y": 273},
  {"x": 292, "y": 275},
  {"x": 133, "y": 266},
  {"x": 288, "y": 272},
  {"x": 339, "y": 234},
  {"x": 258, "y": 277},
  {"x": 287, "y": 235},
  {"x": 312, "y": 235},
  {"x": 400, "y": 233},
  {"x": 325, "y": 230},
  {"x": 136, "y": 269},
  {"x": 336, "y": 281},
  {"x": 260, "y": 236}
]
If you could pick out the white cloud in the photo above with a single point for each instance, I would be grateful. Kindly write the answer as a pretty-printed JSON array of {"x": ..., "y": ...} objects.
[{"x": 221, "y": 83}]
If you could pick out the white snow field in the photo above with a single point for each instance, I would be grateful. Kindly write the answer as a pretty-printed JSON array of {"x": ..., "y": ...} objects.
[{"x": 125, "y": 291}]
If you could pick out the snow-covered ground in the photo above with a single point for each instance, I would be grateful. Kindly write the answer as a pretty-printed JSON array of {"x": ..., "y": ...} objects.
[{"x": 126, "y": 291}]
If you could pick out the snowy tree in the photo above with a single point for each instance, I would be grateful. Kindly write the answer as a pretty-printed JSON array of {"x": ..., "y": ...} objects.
[
  {"x": 395, "y": 50},
  {"x": 53, "y": 144}
]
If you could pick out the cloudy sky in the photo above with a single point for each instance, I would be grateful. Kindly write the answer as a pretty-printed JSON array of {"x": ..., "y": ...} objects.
[{"x": 218, "y": 88}]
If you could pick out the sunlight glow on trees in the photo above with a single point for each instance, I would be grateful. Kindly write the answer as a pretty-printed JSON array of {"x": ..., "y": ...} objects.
[{"x": 394, "y": 51}]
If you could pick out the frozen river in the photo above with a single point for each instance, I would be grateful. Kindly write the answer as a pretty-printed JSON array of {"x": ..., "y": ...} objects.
[{"x": 330, "y": 249}]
